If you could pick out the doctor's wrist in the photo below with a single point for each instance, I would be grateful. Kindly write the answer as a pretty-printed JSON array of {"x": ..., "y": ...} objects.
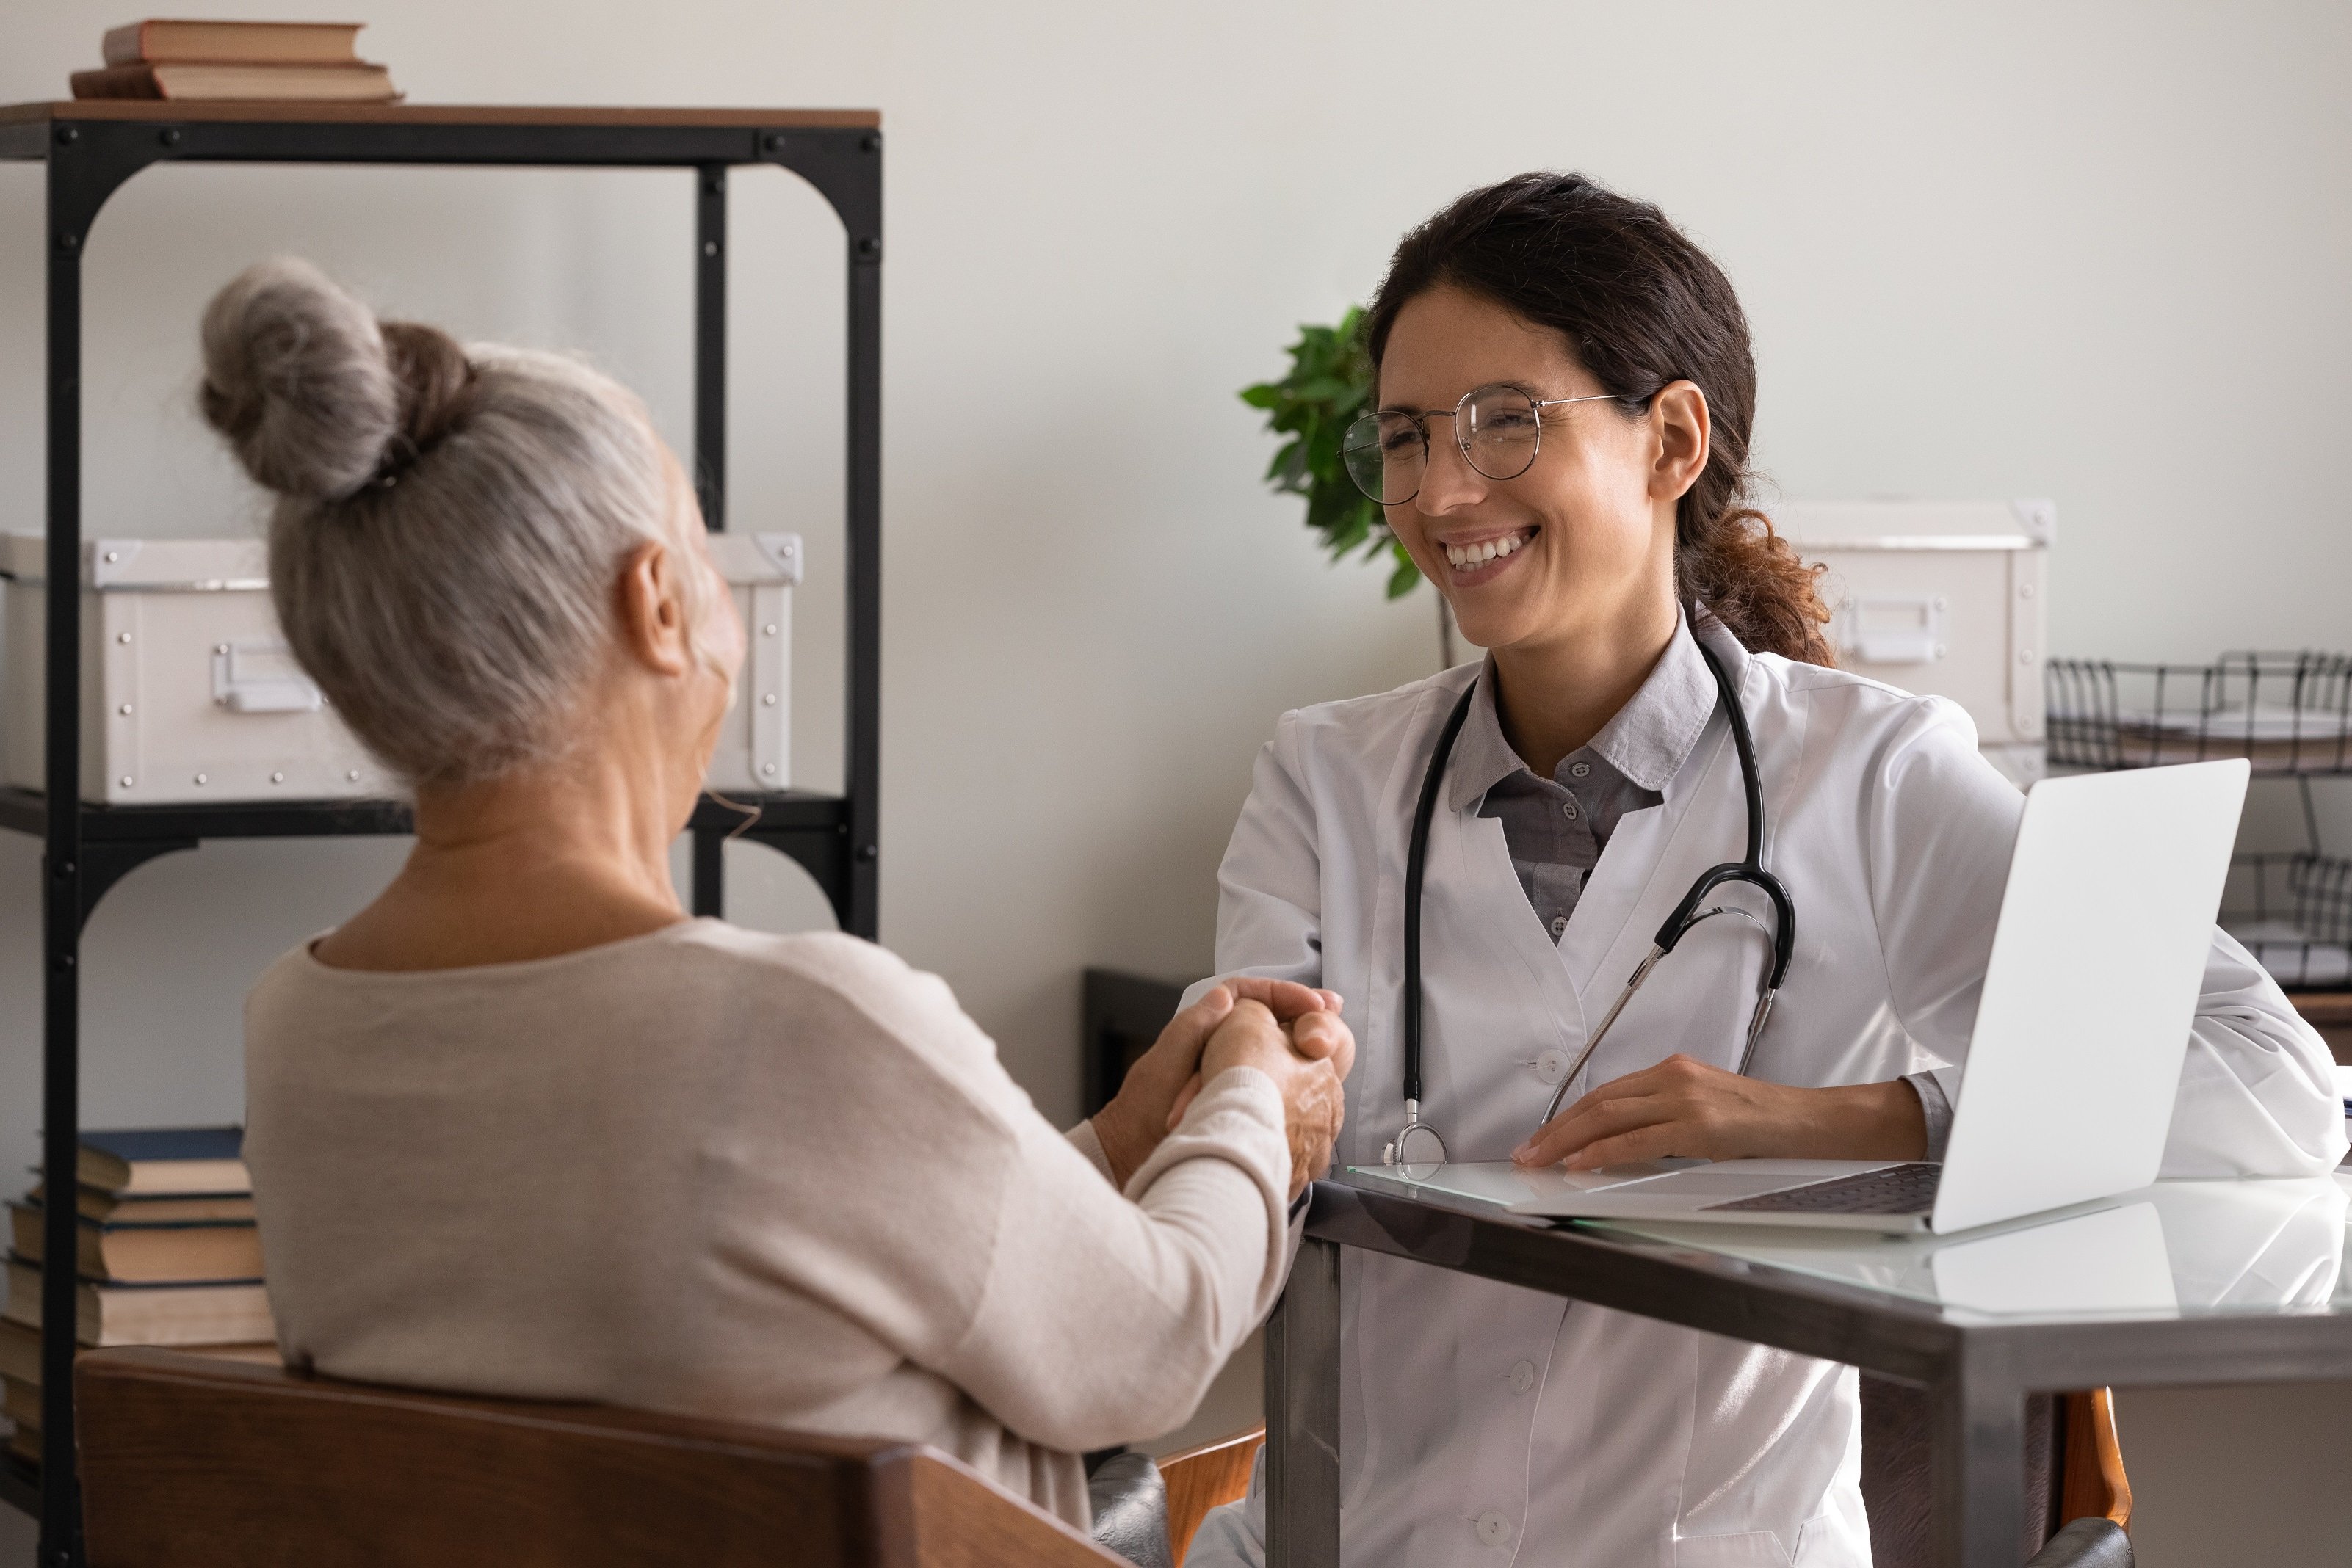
[{"x": 1871, "y": 1121}]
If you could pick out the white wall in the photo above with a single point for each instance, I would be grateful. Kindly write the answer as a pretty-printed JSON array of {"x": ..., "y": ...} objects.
[{"x": 2093, "y": 252}]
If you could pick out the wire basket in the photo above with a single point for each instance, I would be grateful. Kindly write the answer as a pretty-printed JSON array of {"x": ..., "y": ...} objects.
[
  {"x": 2294, "y": 913},
  {"x": 2285, "y": 712}
]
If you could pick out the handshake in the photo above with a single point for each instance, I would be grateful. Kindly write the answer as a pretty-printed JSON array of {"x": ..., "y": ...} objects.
[{"x": 1290, "y": 1032}]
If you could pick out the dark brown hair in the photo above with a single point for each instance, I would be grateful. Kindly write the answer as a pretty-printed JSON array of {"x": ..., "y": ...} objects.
[{"x": 1641, "y": 306}]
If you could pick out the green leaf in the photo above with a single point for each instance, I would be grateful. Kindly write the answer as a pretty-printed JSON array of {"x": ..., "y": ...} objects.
[
  {"x": 1328, "y": 385},
  {"x": 1406, "y": 574}
]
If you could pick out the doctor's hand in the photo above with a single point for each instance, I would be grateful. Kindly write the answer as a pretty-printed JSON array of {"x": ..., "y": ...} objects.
[
  {"x": 1682, "y": 1106},
  {"x": 1313, "y": 1105},
  {"x": 1152, "y": 1097}
]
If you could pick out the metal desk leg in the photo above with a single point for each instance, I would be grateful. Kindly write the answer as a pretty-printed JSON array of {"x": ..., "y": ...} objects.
[
  {"x": 1980, "y": 1470},
  {"x": 1302, "y": 1413}
]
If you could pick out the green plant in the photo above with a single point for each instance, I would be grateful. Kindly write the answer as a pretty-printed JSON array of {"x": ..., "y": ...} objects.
[{"x": 1329, "y": 383}]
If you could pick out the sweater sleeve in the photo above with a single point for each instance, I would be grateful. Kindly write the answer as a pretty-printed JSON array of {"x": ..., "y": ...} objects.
[
  {"x": 1104, "y": 1315},
  {"x": 1004, "y": 1261}
]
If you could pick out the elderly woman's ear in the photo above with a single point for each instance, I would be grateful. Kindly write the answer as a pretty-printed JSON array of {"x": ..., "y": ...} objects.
[{"x": 656, "y": 626}]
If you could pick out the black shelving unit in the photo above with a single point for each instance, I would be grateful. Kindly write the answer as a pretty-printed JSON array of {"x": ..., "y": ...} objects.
[{"x": 91, "y": 150}]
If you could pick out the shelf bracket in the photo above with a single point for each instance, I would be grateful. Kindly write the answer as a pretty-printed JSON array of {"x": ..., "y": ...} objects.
[
  {"x": 823, "y": 853},
  {"x": 105, "y": 863}
]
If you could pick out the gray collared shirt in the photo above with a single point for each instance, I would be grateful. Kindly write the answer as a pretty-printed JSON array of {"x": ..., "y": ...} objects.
[{"x": 1557, "y": 828}]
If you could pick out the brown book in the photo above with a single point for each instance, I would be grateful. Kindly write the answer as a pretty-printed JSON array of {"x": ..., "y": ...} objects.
[
  {"x": 21, "y": 1401},
  {"x": 174, "y": 1251},
  {"x": 20, "y": 1351},
  {"x": 144, "y": 1162},
  {"x": 234, "y": 83},
  {"x": 234, "y": 43},
  {"x": 97, "y": 1203},
  {"x": 149, "y": 1314}
]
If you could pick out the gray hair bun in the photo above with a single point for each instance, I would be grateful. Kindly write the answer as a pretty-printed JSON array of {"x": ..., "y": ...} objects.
[{"x": 316, "y": 396}]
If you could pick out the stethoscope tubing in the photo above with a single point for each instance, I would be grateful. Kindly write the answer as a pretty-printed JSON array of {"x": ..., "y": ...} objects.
[{"x": 1748, "y": 869}]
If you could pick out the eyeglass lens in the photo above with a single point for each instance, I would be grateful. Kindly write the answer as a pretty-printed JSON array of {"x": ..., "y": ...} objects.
[{"x": 1387, "y": 453}]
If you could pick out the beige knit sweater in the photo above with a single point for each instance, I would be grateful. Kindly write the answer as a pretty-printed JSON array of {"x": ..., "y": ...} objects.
[{"x": 774, "y": 1178}]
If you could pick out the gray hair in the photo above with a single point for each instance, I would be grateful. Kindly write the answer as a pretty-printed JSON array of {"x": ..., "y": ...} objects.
[{"x": 449, "y": 520}]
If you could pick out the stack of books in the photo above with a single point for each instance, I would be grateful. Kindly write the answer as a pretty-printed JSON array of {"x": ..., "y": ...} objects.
[
  {"x": 168, "y": 1255},
  {"x": 296, "y": 61}
]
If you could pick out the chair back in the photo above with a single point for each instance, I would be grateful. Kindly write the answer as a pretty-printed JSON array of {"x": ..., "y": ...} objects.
[
  {"x": 2073, "y": 1468},
  {"x": 198, "y": 1463}
]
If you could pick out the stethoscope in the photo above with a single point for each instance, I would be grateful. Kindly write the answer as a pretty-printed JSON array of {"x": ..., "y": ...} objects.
[{"x": 1419, "y": 1144}]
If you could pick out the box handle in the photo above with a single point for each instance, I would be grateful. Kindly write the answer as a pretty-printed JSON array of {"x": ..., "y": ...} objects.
[
  {"x": 1891, "y": 630},
  {"x": 260, "y": 677}
]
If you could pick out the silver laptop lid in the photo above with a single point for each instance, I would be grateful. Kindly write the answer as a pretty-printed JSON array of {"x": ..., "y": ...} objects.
[{"x": 2096, "y": 964}]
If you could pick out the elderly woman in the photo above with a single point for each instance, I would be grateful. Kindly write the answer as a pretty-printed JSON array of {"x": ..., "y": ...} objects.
[{"x": 521, "y": 1127}]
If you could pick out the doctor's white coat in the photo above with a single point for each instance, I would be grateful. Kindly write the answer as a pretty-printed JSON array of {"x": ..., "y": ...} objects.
[{"x": 1484, "y": 1424}]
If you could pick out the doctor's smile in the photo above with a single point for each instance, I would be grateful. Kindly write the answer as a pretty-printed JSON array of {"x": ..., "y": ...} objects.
[{"x": 1468, "y": 558}]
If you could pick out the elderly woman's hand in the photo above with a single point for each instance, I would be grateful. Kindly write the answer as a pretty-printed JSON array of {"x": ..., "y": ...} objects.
[
  {"x": 1162, "y": 1083},
  {"x": 1313, "y": 1105}
]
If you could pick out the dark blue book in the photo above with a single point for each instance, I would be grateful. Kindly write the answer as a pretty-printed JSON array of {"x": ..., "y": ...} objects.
[{"x": 141, "y": 1161}]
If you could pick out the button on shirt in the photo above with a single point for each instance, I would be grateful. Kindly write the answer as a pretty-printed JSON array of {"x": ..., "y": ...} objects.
[{"x": 1557, "y": 828}]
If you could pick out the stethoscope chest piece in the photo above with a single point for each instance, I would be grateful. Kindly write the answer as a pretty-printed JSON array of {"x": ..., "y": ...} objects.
[{"x": 1417, "y": 1146}]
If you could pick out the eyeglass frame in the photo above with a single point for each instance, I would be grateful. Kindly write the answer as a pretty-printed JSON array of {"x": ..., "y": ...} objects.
[{"x": 1420, "y": 417}]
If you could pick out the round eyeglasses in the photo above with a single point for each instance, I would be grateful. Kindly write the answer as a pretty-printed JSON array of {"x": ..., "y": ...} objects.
[{"x": 1499, "y": 430}]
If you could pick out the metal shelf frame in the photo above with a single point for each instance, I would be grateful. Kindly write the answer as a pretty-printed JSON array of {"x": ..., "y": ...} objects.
[{"x": 91, "y": 150}]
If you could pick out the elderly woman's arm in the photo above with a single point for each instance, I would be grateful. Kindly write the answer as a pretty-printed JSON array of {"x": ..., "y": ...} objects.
[
  {"x": 1104, "y": 1317},
  {"x": 900, "y": 1174}
]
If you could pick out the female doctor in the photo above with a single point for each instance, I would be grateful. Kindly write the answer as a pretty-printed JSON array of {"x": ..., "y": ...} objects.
[{"x": 1565, "y": 391}]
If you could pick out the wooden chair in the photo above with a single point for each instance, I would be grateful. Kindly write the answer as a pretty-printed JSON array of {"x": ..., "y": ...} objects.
[
  {"x": 197, "y": 1463},
  {"x": 1210, "y": 1476},
  {"x": 2072, "y": 1441}
]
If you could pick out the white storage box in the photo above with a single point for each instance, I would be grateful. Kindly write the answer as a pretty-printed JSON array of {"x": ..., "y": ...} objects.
[
  {"x": 1943, "y": 598},
  {"x": 754, "y": 752},
  {"x": 188, "y": 692}
]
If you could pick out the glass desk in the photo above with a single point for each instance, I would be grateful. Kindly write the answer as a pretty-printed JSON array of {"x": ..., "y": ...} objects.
[{"x": 2183, "y": 1282}]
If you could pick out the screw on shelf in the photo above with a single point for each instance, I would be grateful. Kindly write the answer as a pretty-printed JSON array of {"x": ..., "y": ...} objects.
[
  {"x": 868, "y": 851},
  {"x": 871, "y": 142},
  {"x": 869, "y": 248},
  {"x": 773, "y": 141},
  {"x": 67, "y": 135},
  {"x": 170, "y": 136}
]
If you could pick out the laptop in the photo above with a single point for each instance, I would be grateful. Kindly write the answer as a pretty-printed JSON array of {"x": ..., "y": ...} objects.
[{"x": 2067, "y": 1093}]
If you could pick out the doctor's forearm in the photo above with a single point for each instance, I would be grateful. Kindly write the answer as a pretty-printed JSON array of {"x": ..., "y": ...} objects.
[
  {"x": 1868, "y": 1122},
  {"x": 1686, "y": 1107}
]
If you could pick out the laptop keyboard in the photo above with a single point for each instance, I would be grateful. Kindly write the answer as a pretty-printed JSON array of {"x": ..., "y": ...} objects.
[{"x": 1897, "y": 1189}]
